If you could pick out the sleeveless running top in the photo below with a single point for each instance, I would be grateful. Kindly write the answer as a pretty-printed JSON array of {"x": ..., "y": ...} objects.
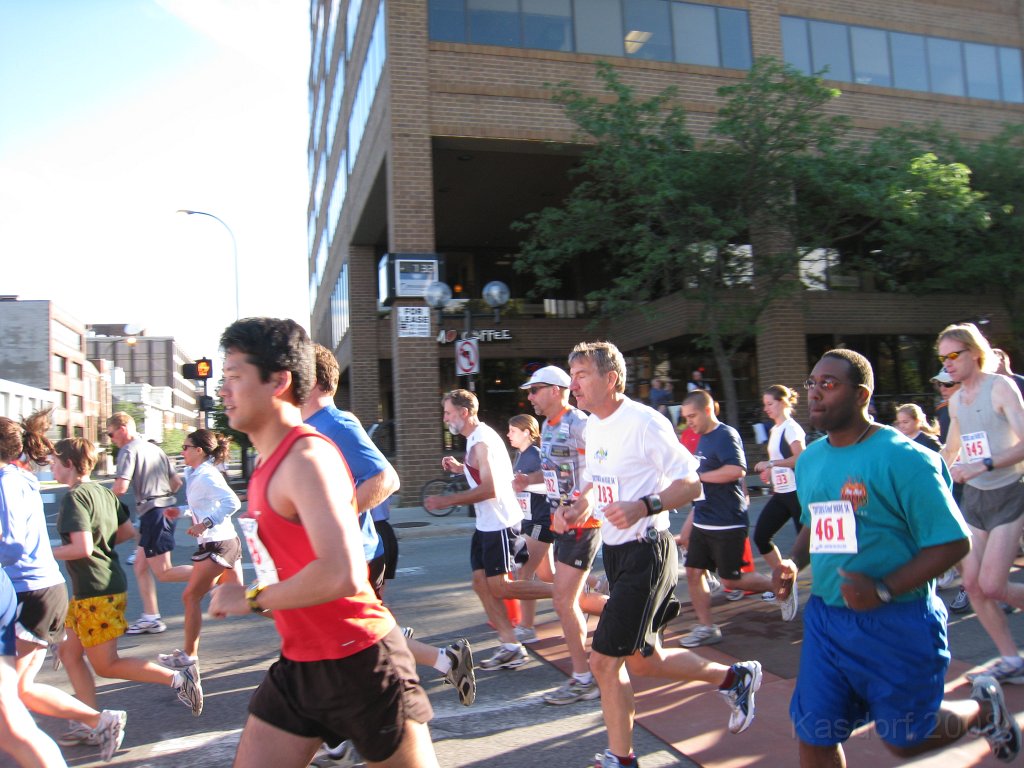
[
  {"x": 331, "y": 630},
  {"x": 980, "y": 419}
]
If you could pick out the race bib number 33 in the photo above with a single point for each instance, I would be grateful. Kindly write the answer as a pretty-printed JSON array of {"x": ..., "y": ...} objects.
[{"x": 833, "y": 528}]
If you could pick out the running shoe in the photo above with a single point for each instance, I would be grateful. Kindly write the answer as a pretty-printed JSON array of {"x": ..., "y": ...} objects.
[
  {"x": 607, "y": 760},
  {"x": 110, "y": 732},
  {"x": 461, "y": 675},
  {"x": 146, "y": 627},
  {"x": 130, "y": 560},
  {"x": 714, "y": 585},
  {"x": 702, "y": 635},
  {"x": 177, "y": 659},
  {"x": 1002, "y": 671},
  {"x": 961, "y": 603},
  {"x": 503, "y": 658},
  {"x": 741, "y": 695},
  {"x": 345, "y": 755},
  {"x": 1002, "y": 732},
  {"x": 572, "y": 690},
  {"x": 408, "y": 632},
  {"x": 732, "y": 595},
  {"x": 790, "y": 607},
  {"x": 191, "y": 690},
  {"x": 768, "y": 597},
  {"x": 77, "y": 733},
  {"x": 526, "y": 635},
  {"x": 601, "y": 586},
  {"x": 945, "y": 581}
]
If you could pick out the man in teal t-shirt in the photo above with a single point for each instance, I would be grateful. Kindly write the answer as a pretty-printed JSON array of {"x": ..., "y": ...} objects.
[{"x": 880, "y": 525}]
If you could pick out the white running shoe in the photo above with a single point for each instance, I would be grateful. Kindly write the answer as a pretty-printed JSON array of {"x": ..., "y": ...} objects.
[
  {"x": 177, "y": 659},
  {"x": 790, "y": 607},
  {"x": 110, "y": 732},
  {"x": 503, "y": 658},
  {"x": 146, "y": 627},
  {"x": 526, "y": 635},
  {"x": 701, "y": 635}
]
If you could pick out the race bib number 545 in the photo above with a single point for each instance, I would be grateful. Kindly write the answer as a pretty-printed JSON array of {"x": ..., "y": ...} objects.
[{"x": 833, "y": 528}]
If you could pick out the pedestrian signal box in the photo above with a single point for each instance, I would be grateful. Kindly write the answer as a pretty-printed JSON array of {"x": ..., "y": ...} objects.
[{"x": 204, "y": 368}]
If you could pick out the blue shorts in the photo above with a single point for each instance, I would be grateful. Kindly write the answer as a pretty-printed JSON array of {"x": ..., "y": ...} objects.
[
  {"x": 887, "y": 665},
  {"x": 493, "y": 551},
  {"x": 156, "y": 532}
]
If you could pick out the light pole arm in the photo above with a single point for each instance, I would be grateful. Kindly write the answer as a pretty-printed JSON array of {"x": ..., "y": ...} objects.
[{"x": 234, "y": 249}]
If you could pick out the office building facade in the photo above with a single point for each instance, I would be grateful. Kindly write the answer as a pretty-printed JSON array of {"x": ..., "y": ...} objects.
[{"x": 433, "y": 129}]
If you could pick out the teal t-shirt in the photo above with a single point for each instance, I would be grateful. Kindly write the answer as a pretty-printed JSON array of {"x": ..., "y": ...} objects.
[{"x": 901, "y": 499}]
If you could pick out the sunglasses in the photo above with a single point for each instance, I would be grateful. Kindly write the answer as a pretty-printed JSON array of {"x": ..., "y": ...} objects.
[
  {"x": 186, "y": 446},
  {"x": 825, "y": 385},
  {"x": 953, "y": 355},
  {"x": 946, "y": 384},
  {"x": 538, "y": 388}
]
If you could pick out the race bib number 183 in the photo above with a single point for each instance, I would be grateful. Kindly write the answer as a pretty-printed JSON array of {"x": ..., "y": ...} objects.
[
  {"x": 606, "y": 491},
  {"x": 833, "y": 528}
]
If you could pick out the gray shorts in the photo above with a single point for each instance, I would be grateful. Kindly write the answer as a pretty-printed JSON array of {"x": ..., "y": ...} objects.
[{"x": 987, "y": 510}]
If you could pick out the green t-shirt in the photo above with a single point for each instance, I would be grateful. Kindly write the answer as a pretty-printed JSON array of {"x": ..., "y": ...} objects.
[{"x": 94, "y": 508}]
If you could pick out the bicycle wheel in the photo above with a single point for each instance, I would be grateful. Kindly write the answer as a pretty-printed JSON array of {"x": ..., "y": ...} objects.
[{"x": 438, "y": 487}]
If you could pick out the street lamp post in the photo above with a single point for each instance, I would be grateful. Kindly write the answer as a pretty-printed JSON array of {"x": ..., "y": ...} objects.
[
  {"x": 438, "y": 295},
  {"x": 234, "y": 248}
]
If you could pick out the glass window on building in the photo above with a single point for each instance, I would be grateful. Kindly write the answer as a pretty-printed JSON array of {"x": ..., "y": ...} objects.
[
  {"x": 599, "y": 27},
  {"x": 696, "y": 35},
  {"x": 796, "y": 45},
  {"x": 648, "y": 30},
  {"x": 945, "y": 66},
  {"x": 830, "y": 47},
  {"x": 493, "y": 22},
  {"x": 1010, "y": 75},
  {"x": 547, "y": 25},
  {"x": 59, "y": 364},
  {"x": 981, "y": 67},
  {"x": 909, "y": 61},
  {"x": 870, "y": 56},
  {"x": 447, "y": 20},
  {"x": 76, "y": 371},
  {"x": 734, "y": 38},
  {"x": 76, "y": 403}
]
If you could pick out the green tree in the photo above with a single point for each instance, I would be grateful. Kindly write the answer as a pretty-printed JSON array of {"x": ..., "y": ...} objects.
[
  {"x": 653, "y": 214},
  {"x": 220, "y": 423}
]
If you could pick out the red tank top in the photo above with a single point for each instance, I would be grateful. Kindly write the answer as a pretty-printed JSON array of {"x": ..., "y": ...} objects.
[{"x": 331, "y": 630}]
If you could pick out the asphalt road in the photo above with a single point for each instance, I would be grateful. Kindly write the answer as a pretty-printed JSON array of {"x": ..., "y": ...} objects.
[
  {"x": 509, "y": 724},
  {"x": 432, "y": 593}
]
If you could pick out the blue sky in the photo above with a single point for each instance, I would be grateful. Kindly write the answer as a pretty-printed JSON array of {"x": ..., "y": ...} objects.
[{"x": 115, "y": 114}]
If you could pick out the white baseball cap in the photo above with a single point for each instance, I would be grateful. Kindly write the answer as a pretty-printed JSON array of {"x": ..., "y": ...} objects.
[
  {"x": 942, "y": 377},
  {"x": 549, "y": 374}
]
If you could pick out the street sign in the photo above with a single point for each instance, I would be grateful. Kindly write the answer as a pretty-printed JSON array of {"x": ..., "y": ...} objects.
[{"x": 467, "y": 357}]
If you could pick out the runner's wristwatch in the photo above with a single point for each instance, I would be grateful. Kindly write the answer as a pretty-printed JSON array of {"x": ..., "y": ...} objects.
[
  {"x": 653, "y": 504},
  {"x": 252, "y": 597},
  {"x": 883, "y": 591},
  {"x": 989, "y": 464}
]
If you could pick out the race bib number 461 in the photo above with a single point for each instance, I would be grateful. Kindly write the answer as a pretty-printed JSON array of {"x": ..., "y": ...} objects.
[{"x": 833, "y": 528}]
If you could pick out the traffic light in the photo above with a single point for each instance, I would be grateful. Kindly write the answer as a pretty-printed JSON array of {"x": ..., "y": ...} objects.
[
  {"x": 188, "y": 371},
  {"x": 204, "y": 368},
  {"x": 205, "y": 403}
]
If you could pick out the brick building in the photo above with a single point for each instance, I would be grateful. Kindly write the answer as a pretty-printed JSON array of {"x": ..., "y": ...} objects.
[{"x": 432, "y": 130}]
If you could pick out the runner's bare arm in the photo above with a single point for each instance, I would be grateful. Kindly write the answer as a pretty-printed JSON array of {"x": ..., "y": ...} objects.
[
  {"x": 952, "y": 447},
  {"x": 80, "y": 546},
  {"x": 376, "y": 489}
]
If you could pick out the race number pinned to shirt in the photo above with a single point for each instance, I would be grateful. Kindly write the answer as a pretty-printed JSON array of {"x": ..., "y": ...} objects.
[
  {"x": 783, "y": 479},
  {"x": 975, "y": 446},
  {"x": 524, "y": 504},
  {"x": 266, "y": 571},
  {"x": 551, "y": 484},
  {"x": 606, "y": 491},
  {"x": 833, "y": 528}
]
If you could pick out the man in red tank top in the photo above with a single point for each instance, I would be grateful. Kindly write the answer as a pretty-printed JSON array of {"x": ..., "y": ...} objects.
[{"x": 345, "y": 671}]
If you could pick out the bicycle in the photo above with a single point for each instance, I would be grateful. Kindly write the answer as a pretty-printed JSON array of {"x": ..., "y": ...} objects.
[{"x": 443, "y": 486}]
